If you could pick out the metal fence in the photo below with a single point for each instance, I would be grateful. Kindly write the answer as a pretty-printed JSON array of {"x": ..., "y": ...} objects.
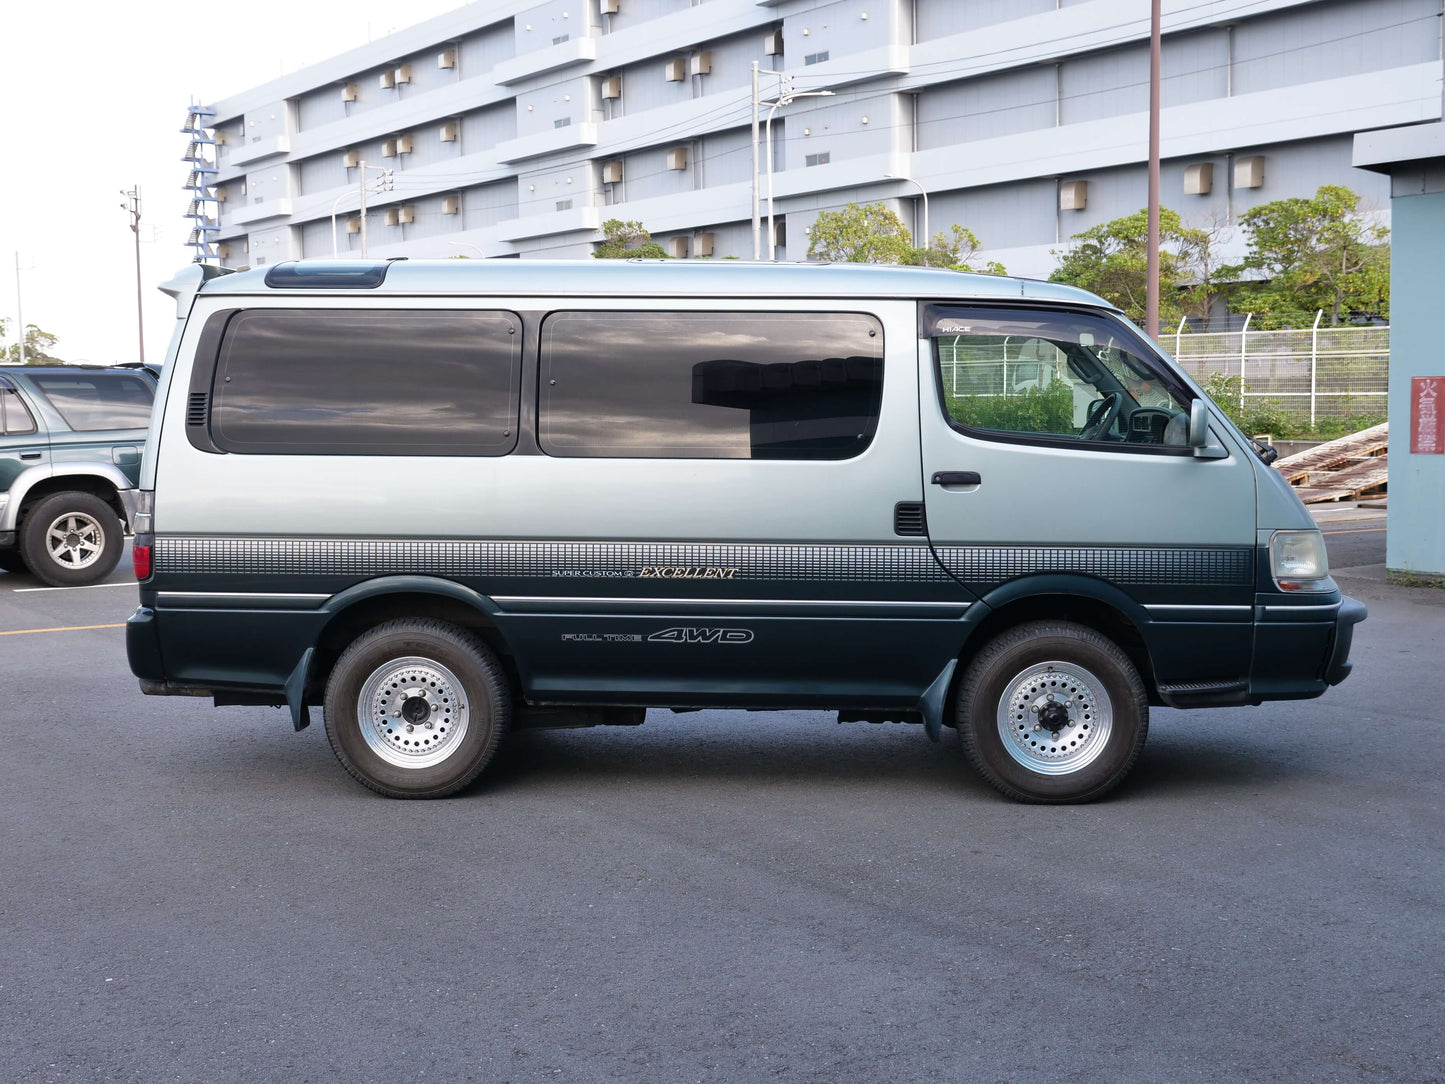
[{"x": 1319, "y": 372}]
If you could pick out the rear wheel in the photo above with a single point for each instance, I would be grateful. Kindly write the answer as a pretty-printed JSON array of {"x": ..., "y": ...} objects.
[
  {"x": 416, "y": 708},
  {"x": 71, "y": 539},
  {"x": 1052, "y": 712}
]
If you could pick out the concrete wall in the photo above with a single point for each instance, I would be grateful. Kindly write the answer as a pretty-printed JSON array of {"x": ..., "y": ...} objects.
[{"x": 1415, "y": 539}]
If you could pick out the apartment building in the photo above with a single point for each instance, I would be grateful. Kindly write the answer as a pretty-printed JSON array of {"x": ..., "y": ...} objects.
[{"x": 512, "y": 128}]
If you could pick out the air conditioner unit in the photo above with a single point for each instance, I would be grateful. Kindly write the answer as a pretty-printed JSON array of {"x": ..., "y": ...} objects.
[
  {"x": 611, "y": 172},
  {"x": 221, "y": 195},
  {"x": 449, "y": 133},
  {"x": 677, "y": 158},
  {"x": 773, "y": 43},
  {"x": 607, "y": 7},
  {"x": 388, "y": 149},
  {"x": 353, "y": 224},
  {"x": 403, "y": 73},
  {"x": 702, "y": 244},
  {"x": 612, "y": 87},
  {"x": 677, "y": 248},
  {"x": 451, "y": 205},
  {"x": 348, "y": 92},
  {"x": 388, "y": 79},
  {"x": 399, "y": 216},
  {"x": 1073, "y": 195},
  {"x": 1199, "y": 179},
  {"x": 223, "y": 251},
  {"x": 403, "y": 144},
  {"x": 1249, "y": 172},
  {"x": 701, "y": 63},
  {"x": 220, "y": 139},
  {"x": 351, "y": 159},
  {"x": 676, "y": 70},
  {"x": 447, "y": 58}
]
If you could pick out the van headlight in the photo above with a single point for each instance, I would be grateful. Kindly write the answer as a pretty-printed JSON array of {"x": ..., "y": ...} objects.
[{"x": 1298, "y": 561}]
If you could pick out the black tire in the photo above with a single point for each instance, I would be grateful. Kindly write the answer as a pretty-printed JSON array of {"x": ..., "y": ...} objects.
[
  {"x": 372, "y": 752},
  {"x": 1087, "y": 663},
  {"x": 85, "y": 507},
  {"x": 11, "y": 561}
]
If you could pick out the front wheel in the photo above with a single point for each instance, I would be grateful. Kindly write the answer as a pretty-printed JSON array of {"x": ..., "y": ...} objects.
[
  {"x": 1052, "y": 712},
  {"x": 416, "y": 709}
]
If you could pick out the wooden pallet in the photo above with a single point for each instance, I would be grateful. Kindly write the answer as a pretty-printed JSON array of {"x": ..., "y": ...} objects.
[
  {"x": 1368, "y": 474},
  {"x": 1335, "y": 454}
]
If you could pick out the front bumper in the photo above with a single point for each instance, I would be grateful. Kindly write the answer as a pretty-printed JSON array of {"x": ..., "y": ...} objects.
[
  {"x": 1352, "y": 612},
  {"x": 1301, "y": 648}
]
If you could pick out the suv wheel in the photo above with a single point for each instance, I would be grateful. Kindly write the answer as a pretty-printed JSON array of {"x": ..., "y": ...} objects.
[{"x": 71, "y": 539}]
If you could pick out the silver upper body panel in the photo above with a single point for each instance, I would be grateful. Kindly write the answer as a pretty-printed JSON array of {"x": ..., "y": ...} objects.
[{"x": 674, "y": 278}]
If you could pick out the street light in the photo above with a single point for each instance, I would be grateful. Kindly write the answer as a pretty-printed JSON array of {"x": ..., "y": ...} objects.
[
  {"x": 924, "y": 193},
  {"x": 784, "y": 99},
  {"x": 475, "y": 248}
]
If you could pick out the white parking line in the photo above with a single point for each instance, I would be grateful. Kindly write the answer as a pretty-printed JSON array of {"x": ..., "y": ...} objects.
[{"x": 82, "y": 587}]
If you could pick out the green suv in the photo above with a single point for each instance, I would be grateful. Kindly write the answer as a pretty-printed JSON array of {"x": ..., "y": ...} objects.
[{"x": 70, "y": 447}]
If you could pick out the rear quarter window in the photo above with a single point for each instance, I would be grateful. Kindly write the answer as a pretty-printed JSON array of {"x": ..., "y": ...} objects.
[
  {"x": 371, "y": 382},
  {"x": 89, "y": 402}
]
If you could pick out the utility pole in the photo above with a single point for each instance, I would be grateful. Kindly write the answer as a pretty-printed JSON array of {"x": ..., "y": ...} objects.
[
  {"x": 1151, "y": 297},
  {"x": 757, "y": 225},
  {"x": 132, "y": 207},
  {"x": 362, "y": 174},
  {"x": 19, "y": 312}
]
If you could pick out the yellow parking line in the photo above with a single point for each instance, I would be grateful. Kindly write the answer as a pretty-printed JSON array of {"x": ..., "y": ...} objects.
[{"x": 65, "y": 628}]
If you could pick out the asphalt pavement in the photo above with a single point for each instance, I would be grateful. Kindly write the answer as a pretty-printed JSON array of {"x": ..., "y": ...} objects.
[{"x": 190, "y": 893}]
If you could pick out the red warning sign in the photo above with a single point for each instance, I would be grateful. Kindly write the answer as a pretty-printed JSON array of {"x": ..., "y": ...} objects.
[{"x": 1427, "y": 415}]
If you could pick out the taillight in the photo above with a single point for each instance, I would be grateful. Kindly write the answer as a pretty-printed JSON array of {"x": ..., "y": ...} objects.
[{"x": 140, "y": 557}]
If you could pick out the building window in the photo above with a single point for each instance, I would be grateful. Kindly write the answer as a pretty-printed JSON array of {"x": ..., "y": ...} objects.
[
  {"x": 562, "y": 122},
  {"x": 817, "y": 159},
  {"x": 816, "y": 58},
  {"x": 560, "y": 38},
  {"x": 564, "y": 205},
  {"x": 374, "y": 382},
  {"x": 710, "y": 385}
]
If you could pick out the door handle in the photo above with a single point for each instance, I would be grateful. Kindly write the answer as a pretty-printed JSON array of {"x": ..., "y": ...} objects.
[
  {"x": 957, "y": 478},
  {"x": 31, "y": 455}
]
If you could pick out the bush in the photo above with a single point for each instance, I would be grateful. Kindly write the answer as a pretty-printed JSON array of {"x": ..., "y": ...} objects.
[
  {"x": 1270, "y": 416},
  {"x": 1034, "y": 410}
]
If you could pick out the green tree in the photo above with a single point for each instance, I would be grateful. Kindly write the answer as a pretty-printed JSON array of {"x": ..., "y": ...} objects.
[
  {"x": 1311, "y": 254},
  {"x": 1111, "y": 260},
  {"x": 625, "y": 241},
  {"x": 873, "y": 233},
  {"x": 38, "y": 346}
]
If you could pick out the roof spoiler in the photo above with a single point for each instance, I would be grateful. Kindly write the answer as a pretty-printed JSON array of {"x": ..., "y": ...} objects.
[{"x": 188, "y": 281}]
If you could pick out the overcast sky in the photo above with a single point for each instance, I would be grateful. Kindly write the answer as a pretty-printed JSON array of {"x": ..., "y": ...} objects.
[{"x": 95, "y": 96}]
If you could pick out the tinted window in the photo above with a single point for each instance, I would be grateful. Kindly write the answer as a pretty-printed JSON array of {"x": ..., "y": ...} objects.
[
  {"x": 1060, "y": 375},
  {"x": 368, "y": 383},
  {"x": 90, "y": 401},
  {"x": 15, "y": 416},
  {"x": 710, "y": 385}
]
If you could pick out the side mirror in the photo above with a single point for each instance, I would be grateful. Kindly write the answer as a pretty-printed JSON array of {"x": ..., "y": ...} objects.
[
  {"x": 1199, "y": 433},
  {"x": 1198, "y": 424}
]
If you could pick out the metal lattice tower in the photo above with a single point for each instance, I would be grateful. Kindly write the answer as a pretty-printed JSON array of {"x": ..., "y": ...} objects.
[{"x": 204, "y": 211}]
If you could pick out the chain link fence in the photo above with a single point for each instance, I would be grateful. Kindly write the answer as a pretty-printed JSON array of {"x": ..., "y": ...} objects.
[{"x": 1314, "y": 373}]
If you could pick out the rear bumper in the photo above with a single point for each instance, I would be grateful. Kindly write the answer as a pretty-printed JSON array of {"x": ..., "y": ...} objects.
[{"x": 143, "y": 646}]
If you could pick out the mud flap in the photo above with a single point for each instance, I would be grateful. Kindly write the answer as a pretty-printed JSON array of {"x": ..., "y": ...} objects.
[
  {"x": 296, "y": 691},
  {"x": 933, "y": 702}
]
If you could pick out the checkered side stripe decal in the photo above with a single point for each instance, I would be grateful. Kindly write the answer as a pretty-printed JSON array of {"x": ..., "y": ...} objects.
[
  {"x": 608, "y": 560},
  {"x": 579, "y": 560},
  {"x": 1204, "y": 567}
]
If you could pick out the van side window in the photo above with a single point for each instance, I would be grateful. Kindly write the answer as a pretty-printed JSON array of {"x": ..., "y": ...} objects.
[
  {"x": 367, "y": 382},
  {"x": 94, "y": 401},
  {"x": 710, "y": 385},
  {"x": 1055, "y": 376},
  {"x": 14, "y": 414}
]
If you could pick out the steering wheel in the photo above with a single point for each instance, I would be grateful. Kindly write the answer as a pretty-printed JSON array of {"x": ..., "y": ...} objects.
[{"x": 1101, "y": 415}]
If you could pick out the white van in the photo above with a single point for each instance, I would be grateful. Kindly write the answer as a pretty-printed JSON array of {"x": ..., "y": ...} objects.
[{"x": 448, "y": 499}]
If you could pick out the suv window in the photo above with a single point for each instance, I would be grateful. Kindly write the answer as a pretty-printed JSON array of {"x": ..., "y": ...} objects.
[
  {"x": 93, "y": 401},
  {"x": 15, "y": 417},
  {"x": 710, "y": 385},
  {"x": 1056, "y": 376},
  {"x": 372, "y": 382}
]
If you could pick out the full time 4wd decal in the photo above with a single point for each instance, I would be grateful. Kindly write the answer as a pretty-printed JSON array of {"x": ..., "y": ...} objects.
[{"x": 693, "y": 634}]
